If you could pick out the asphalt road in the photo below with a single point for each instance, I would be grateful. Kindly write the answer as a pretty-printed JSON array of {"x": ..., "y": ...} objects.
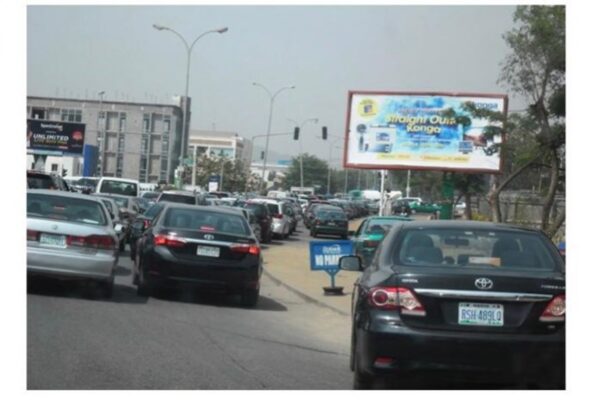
[{"x": 181, "y": 340}]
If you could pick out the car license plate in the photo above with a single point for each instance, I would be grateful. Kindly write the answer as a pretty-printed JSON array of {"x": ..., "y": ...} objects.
[
  {"x": 480, "y": 314},
  {"x": 208, "y": 251},
  {"x": 53, "y": 240}
]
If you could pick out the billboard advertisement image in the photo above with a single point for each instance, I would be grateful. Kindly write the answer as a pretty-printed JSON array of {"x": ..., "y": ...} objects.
[
  {"x": 54, "y": 137},
  {"x": 434, "y": 131}
]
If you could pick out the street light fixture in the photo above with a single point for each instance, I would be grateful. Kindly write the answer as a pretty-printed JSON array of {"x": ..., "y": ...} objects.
[
  {"x": 316, "y": 121},
  {"x": 188, "y": 47},
  {"x": 272, "y": 100}
]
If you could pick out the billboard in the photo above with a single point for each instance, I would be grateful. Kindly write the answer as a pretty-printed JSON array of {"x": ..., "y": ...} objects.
[
  {"x": 431, "y": 131},
  {"x": 55, "y": 137}
]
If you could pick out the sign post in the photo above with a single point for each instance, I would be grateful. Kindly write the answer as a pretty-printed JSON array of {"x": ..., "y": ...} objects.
[{"x": 325, "y": 256}]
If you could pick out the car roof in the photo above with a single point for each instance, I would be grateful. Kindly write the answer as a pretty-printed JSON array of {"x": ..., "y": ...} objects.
[
  {"x": 179, "y": 192},
  {"x": 62, "y": 193},
  {"x": 463, "y": 224},
  {"x": 216, "y": 209},
  {"x": 119, "y": 179}
]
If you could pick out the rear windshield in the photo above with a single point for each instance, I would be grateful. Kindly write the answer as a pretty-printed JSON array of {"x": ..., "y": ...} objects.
[
  {"x": 470, "y": 248},
  {"x": 331, "y": 214},
  {"x": 87, "y": 182},
  {"x": 151, "y": 195},
  {"x": 153, "y": 210},
  {"x": 65, "y": 209},
  {"x": 206, "y": 221},
  {"x": 118, "y": 187},
  {"x": 379, "y": 225},
  {"x": 273, "y": 208},
  {"x": 122, "y": 202},
  {"x": 178, "y": 198},
  {"x": 258, "y": 209},
  {"x": 40, "y": 182}
]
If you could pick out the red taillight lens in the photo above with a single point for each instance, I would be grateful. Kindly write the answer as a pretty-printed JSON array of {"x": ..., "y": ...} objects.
[
  {"x": 245, "y": 249},
  {"x": 93, "y": 241},
  {"x": 555, "y": 310},
  {"x": 390, "y": 298},
  {"x": 32, "y": 235},
  {"x": 279, "y": 216},
  {"x": 371, "y": 243},
  {"x": 168, "y": 241}
]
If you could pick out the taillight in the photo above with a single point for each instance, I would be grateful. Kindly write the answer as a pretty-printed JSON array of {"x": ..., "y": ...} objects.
[
  {"x": 279, "y": 216},
  {"x": 32, "y": 235},
  {"x": 92, "y": 241},
  {"x": 317, "y": 221},
  {"x": 245, "y": 249},
  {"x": 168, "y": 241},
  {"x": 371, "y": 243},
  {"x": 147, "y": 223},
  {"x": 390, "y": 298},
  {"x": 555, "y": 310}
]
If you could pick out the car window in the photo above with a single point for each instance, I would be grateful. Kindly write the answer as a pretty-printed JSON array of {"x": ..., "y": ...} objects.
[
  {"x": 109, "y": 206},
  {"x": 259, "y": 209},
  {"x": 121, "y": 202},
  {"x": 118, "y": 187},
  {"x": 206, "y": 221},
  {"x": 273, "y": 208},
  {"x": 154, "y": 210},
  {"x": 65, "y": 209},
  {"x": 40, "y": 182},
  {"x": 475, "y": 248},
  {"x": 330, "y": 214},
  {"x": 178, "y": 198},
  {"x": 377, "y": 225}
]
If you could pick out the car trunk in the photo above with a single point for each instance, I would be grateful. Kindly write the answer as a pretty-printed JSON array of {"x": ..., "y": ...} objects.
[
  {"x": 451, "y": 300},
  {"x": 208, "y": 247}
]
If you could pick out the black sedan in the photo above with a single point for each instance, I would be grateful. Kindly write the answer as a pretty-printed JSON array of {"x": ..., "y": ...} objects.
[
  {"x": 209, "y": 248},
  {"x": 468, "y": 302}
]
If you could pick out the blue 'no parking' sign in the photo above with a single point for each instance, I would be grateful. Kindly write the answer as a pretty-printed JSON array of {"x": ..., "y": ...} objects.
[{"x": 325, "y": 255}]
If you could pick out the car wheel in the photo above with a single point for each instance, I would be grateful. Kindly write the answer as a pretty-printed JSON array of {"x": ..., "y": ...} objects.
[
  {"x": 144, "y": 288},
  {"x": 249, "y": 297},
  {"x": 106, "y": 288},
  {"x": 361, "y": 380}
]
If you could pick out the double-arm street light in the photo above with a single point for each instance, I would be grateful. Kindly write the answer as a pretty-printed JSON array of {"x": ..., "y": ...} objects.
[
  {"x": 272, "y": 100},
  {"x": 316, "y": 121},
  {"x": 188, "y": 48}
]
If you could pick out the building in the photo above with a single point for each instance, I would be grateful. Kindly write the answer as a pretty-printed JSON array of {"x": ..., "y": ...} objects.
[
  {"x": 274, "y": 173},
  {"x": 220, "y": 144},
  {"x": 136, "y": 140}
]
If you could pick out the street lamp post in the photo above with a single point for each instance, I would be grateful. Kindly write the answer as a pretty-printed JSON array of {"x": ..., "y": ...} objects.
[
  {"x": 101, "y": 133},
  {"x": 272, "y": 100},
  {"x": 316, "y": 121},
  {"x": 187, "y": 79}
]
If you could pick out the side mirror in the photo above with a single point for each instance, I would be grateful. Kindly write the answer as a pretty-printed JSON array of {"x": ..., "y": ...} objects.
[
  {"x": 118, "y": 228},
  {"x": 350, "y": 263}
]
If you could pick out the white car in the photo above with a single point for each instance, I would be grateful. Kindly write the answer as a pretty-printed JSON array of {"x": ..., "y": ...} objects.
[
  {"x": 124, "y": 187},
  {"x": 281, "y": 225}
]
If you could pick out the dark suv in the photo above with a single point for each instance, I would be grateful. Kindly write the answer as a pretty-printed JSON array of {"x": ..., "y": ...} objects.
[
  {"x": 264, "y": 219},
  {"x": 43, "y": 180}
]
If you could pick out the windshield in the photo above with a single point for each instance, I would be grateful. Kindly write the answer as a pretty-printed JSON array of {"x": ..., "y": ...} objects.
[
  {"x": 153, "y": 210},
  {"x": 273, "y": 209},
  {"x": 257, "y": 209},
  {"x": 178, "y": 198},
  {"x": 377, "y": 226},
  {"x": 206, "y": 221},
  {"x": 90, "y": 182},
  {"x": 118, "y": 187},
  {"x": 475, "y": 248},
  {"x": 65, "y": 209},
  {"x": 331, "y": 215}
]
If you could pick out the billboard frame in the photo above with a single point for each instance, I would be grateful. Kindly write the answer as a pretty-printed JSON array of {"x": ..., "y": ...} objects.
[{"x": 351, "y": 93}]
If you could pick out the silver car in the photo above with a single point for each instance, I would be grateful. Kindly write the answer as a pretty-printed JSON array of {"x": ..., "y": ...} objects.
[{"x": 71, "y": 236}]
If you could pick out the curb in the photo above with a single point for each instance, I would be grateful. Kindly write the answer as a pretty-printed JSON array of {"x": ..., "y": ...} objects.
[{"x": 303, "y": 295}]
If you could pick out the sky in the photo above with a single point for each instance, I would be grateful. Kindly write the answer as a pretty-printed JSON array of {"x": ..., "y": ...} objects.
[{"x": 324, "y": 51}]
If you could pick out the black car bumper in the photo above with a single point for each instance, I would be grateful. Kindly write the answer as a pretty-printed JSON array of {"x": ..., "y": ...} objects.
[
  {"x": 163, "y": 269},
  {"x": 330, "y": 230},
  {"x": 464, "y": 356}
]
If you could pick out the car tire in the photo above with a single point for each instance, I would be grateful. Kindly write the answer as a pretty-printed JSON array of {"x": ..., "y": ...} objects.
[
  {"x": 361, "y": 381},
  {"x": 107, "y": 288},
  {"x": 249, "y": 297},
  {"x": 144, "y": 288}
]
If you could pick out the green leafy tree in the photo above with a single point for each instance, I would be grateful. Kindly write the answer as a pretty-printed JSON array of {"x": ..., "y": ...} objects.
[
  {"x": 315, "y": 172},
  {"x": 535, "y": 68}
]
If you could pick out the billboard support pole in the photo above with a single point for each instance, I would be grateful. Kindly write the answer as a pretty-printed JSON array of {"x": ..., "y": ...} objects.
[
  {"x": 447, "y": 195},
  {"x": 381, "y": 202}
]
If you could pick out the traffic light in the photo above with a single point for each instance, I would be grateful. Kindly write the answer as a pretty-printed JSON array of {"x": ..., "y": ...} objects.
[
  {"x": 296, "y": 133},
  {"x": 324, "y": 133}
]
